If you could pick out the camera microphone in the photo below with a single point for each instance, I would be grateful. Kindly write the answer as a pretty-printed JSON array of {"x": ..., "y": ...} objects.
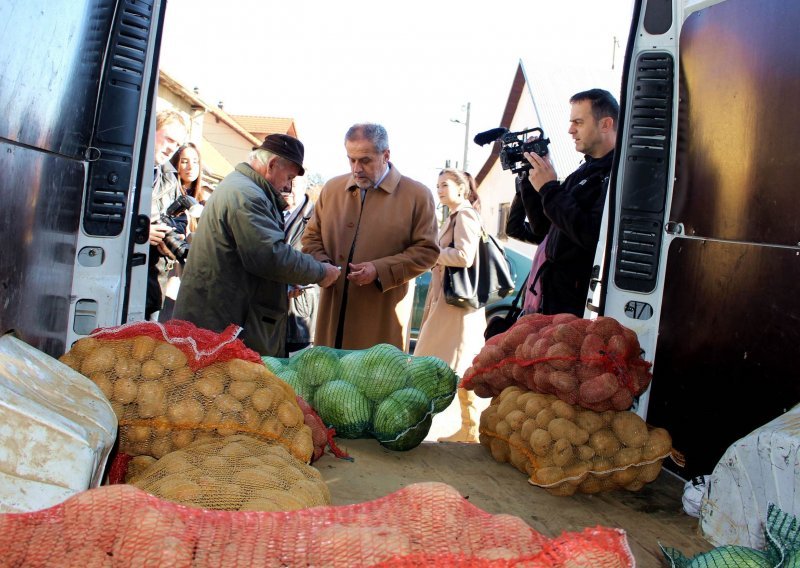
[{"x": 483, "y": 138}]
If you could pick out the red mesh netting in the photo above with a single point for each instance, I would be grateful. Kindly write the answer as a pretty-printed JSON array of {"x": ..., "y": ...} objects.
[
  {"x": 320, "y": 434},
  {"x": 423, "y": 524},
  {"x": 201, "y": 346},
  {"x": 596, "y": 364}
]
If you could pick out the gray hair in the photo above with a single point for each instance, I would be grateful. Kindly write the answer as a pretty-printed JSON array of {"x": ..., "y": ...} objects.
[
  {"x": 264, "y": 156},
  {"x": 374, "y": 133}
]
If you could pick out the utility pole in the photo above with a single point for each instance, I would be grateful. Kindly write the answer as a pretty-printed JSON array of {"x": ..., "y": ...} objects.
[{"x": 466, "y": 137}]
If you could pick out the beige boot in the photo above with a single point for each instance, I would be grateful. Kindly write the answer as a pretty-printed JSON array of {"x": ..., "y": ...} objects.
[{"x": 469, "y": 420}]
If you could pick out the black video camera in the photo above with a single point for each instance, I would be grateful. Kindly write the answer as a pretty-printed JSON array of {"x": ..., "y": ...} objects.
[
  {"x": 514, "y": 145},
  {"x": 176, "y": 244}
]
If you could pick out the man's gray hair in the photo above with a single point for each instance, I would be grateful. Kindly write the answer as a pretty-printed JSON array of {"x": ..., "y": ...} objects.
[
  {"x": 263, "y": 156},
  {"x": 374, "y": 133}
]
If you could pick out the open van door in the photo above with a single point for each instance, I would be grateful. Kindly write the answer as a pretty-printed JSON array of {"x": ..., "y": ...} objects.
[
  {"x": 702, "y": 248},
  {"x": 77, "y": 89}
]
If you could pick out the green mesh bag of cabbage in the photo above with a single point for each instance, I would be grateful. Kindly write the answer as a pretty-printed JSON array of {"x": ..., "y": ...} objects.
[
  {"x": 379, "y": 392},
  {"x": 781, "y": 533}
]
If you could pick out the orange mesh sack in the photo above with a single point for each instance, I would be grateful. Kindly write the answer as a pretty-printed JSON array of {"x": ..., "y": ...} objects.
[
  {"x": 171, "y": 384},
  {"x": 237, "y": 473},
  {"x": 594, "y": 363},
  {"x": 379, "y": 392},
  {"x": 420, "y": 525},
  {"x": 565, "y": 448}
]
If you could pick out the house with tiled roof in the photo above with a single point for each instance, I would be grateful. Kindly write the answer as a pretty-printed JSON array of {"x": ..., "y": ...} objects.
[{"x": 224, "y": 139}]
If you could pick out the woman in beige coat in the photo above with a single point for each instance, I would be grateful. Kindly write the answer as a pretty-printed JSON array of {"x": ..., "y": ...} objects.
[{"x": 454, "y": 333}]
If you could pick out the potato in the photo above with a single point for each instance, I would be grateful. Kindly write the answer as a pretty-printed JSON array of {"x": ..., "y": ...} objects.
[
  {"x": 178, "y": 488},
  {"x": 182, "y": 376},
  {"x": 649, "y": 472},
  {"x": 624, "y": 476},
  {"x": 499, "y": 449},
  {"x": 98, "y": 361},
  {"x": 563, "y": 452},
  {"x": 241, "y": 370},
  {"x": 515, "y": 419},
  {"x": 227, "y": 403},
  {"x": 507, "y": 403},
  {"x": 524, "y": 398},
  {"x": 251, "y": 418},
  {"x": 229, "y": 425},
  {"x": 565, "y": 333},
  {"x": 186, "y": 412},
  {"x": 563, "y": 428},
  {"x": 541, "y": 442},
  {"x": 658, "y": 445},
  {"x": 312, "y": 492},
  {"x": 160, "y": 447},
  {"x": 209, "y": 385},
  {"x": 549, "y": 475},
  {"x": 563, "y": 381},
  {"x": 535, "y": 404},
  {"x": 604, "y": 327},
  {"x": 503, "y": 429},
  {"x": 562, "y": 490},
  {"x": 628, "y": 456},
  {"x": 585, "y": 453},
  {"x": 562, "y": 356},
  {"x": 169, "y": 356},
  {"x": 590, "y": 485},
  {"x": 541, "y": 347},
  {"x": 125, "y": 391},
  {"x": 136, "y": 466},
  {"x": 598, "y": 388},
  {"x": 262, "y": 399},
  {"x": 591, "y": 347},
  {"x": 138, "y": 433},
  {"x": 602, "y": 466},
  {"x": 545, "y": 416},
  {"x": 289, "y": 414},
  {"x": 152, "y": 370},
  {"x": 604, "y": 443},
  {"x": 563, "y": 410},
  {"x": 577, "y": 470},
  {"x": 151, "y": 399},
  {"x": 622, "y": 399},
  {"x": 142, "y": 347},
  {"x": 541, "y": 380},
  {"x": 589, "y": 421},
  {"x": 515, "y": 455},
  {"x": 272, "y": 428},
  {"x": 242, "y": 389},
  {"x": 127, "y": 368},
  {"x": 257, "y": 477},
  {"x": 103, "y": 383},
  {"x": 182, "y": 438},
  {"x": 630, "y": 429},
  {"x": 527, "y": 429}
]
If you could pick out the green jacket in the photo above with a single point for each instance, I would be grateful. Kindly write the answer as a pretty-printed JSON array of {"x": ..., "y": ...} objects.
[{"x": 239, "y": 264}]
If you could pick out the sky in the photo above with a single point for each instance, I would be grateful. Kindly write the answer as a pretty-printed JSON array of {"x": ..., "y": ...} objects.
[{"x": 411, "y": 66}]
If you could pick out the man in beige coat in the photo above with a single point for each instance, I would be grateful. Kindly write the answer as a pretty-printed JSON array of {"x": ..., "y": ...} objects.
[{"x": 380, "y": 228}]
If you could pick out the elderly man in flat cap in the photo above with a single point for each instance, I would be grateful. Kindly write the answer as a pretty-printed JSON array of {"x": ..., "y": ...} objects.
[{"x": 240, "y": 266}]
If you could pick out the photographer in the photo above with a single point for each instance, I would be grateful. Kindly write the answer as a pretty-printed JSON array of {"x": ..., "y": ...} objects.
[
  {"x": 564, "y": 218},
  {"x": 171, "y": 129}
]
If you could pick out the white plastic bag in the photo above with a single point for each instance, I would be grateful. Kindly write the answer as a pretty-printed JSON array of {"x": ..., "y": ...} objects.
[{"x": 693, "y": 491}]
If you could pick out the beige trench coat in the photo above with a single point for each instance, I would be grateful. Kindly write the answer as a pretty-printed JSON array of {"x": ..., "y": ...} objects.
[
  {"x": 452, "y": 333},
  {"x": 396, "y": 231}
]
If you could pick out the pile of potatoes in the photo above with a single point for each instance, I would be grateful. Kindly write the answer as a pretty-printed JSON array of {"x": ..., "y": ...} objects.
[
  {"x": 237, "y": 473},
  {"x": 163, "y": 404},
  {"x": 566, "y": 448},
  {"x": 596, "y": 364}
]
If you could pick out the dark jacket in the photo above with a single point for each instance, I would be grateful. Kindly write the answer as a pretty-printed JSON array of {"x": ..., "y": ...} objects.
[
  {"x": 570, "y": 213},
  {"x": 240, "y": 264},
  {"x": 166, "y": 189}
]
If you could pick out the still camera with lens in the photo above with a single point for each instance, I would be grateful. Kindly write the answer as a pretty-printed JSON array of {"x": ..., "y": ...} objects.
[{"x": 176, "y": 244}]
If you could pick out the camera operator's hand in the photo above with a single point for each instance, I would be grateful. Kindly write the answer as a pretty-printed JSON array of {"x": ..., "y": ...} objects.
[
  {"x": 332, "y": 274},
  {"x": 157, "y": 233},
  {"x": 542, "y": 170}
]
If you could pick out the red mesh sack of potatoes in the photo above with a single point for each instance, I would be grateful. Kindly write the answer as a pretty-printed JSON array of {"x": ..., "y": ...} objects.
[
  {"x": 172, "y": 384},
  {"x": 596, "y": 364},
  {"x": 237, "y": 473},
  {"x": 424, "y": 524},
  {"x": 566, "y": 449}
]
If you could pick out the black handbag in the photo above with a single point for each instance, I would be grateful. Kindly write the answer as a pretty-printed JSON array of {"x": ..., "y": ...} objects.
[
  {"x": 489, "y": 274},
  {"x": 501, "y": 324}
]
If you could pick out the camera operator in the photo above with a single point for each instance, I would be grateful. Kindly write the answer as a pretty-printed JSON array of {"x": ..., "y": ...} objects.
[
  {"x": 171, "y": 129},
  {"x": 564, "y": 218}
]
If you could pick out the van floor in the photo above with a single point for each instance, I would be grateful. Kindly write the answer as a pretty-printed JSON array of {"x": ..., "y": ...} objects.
[{"x": 652, "y": 515}]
